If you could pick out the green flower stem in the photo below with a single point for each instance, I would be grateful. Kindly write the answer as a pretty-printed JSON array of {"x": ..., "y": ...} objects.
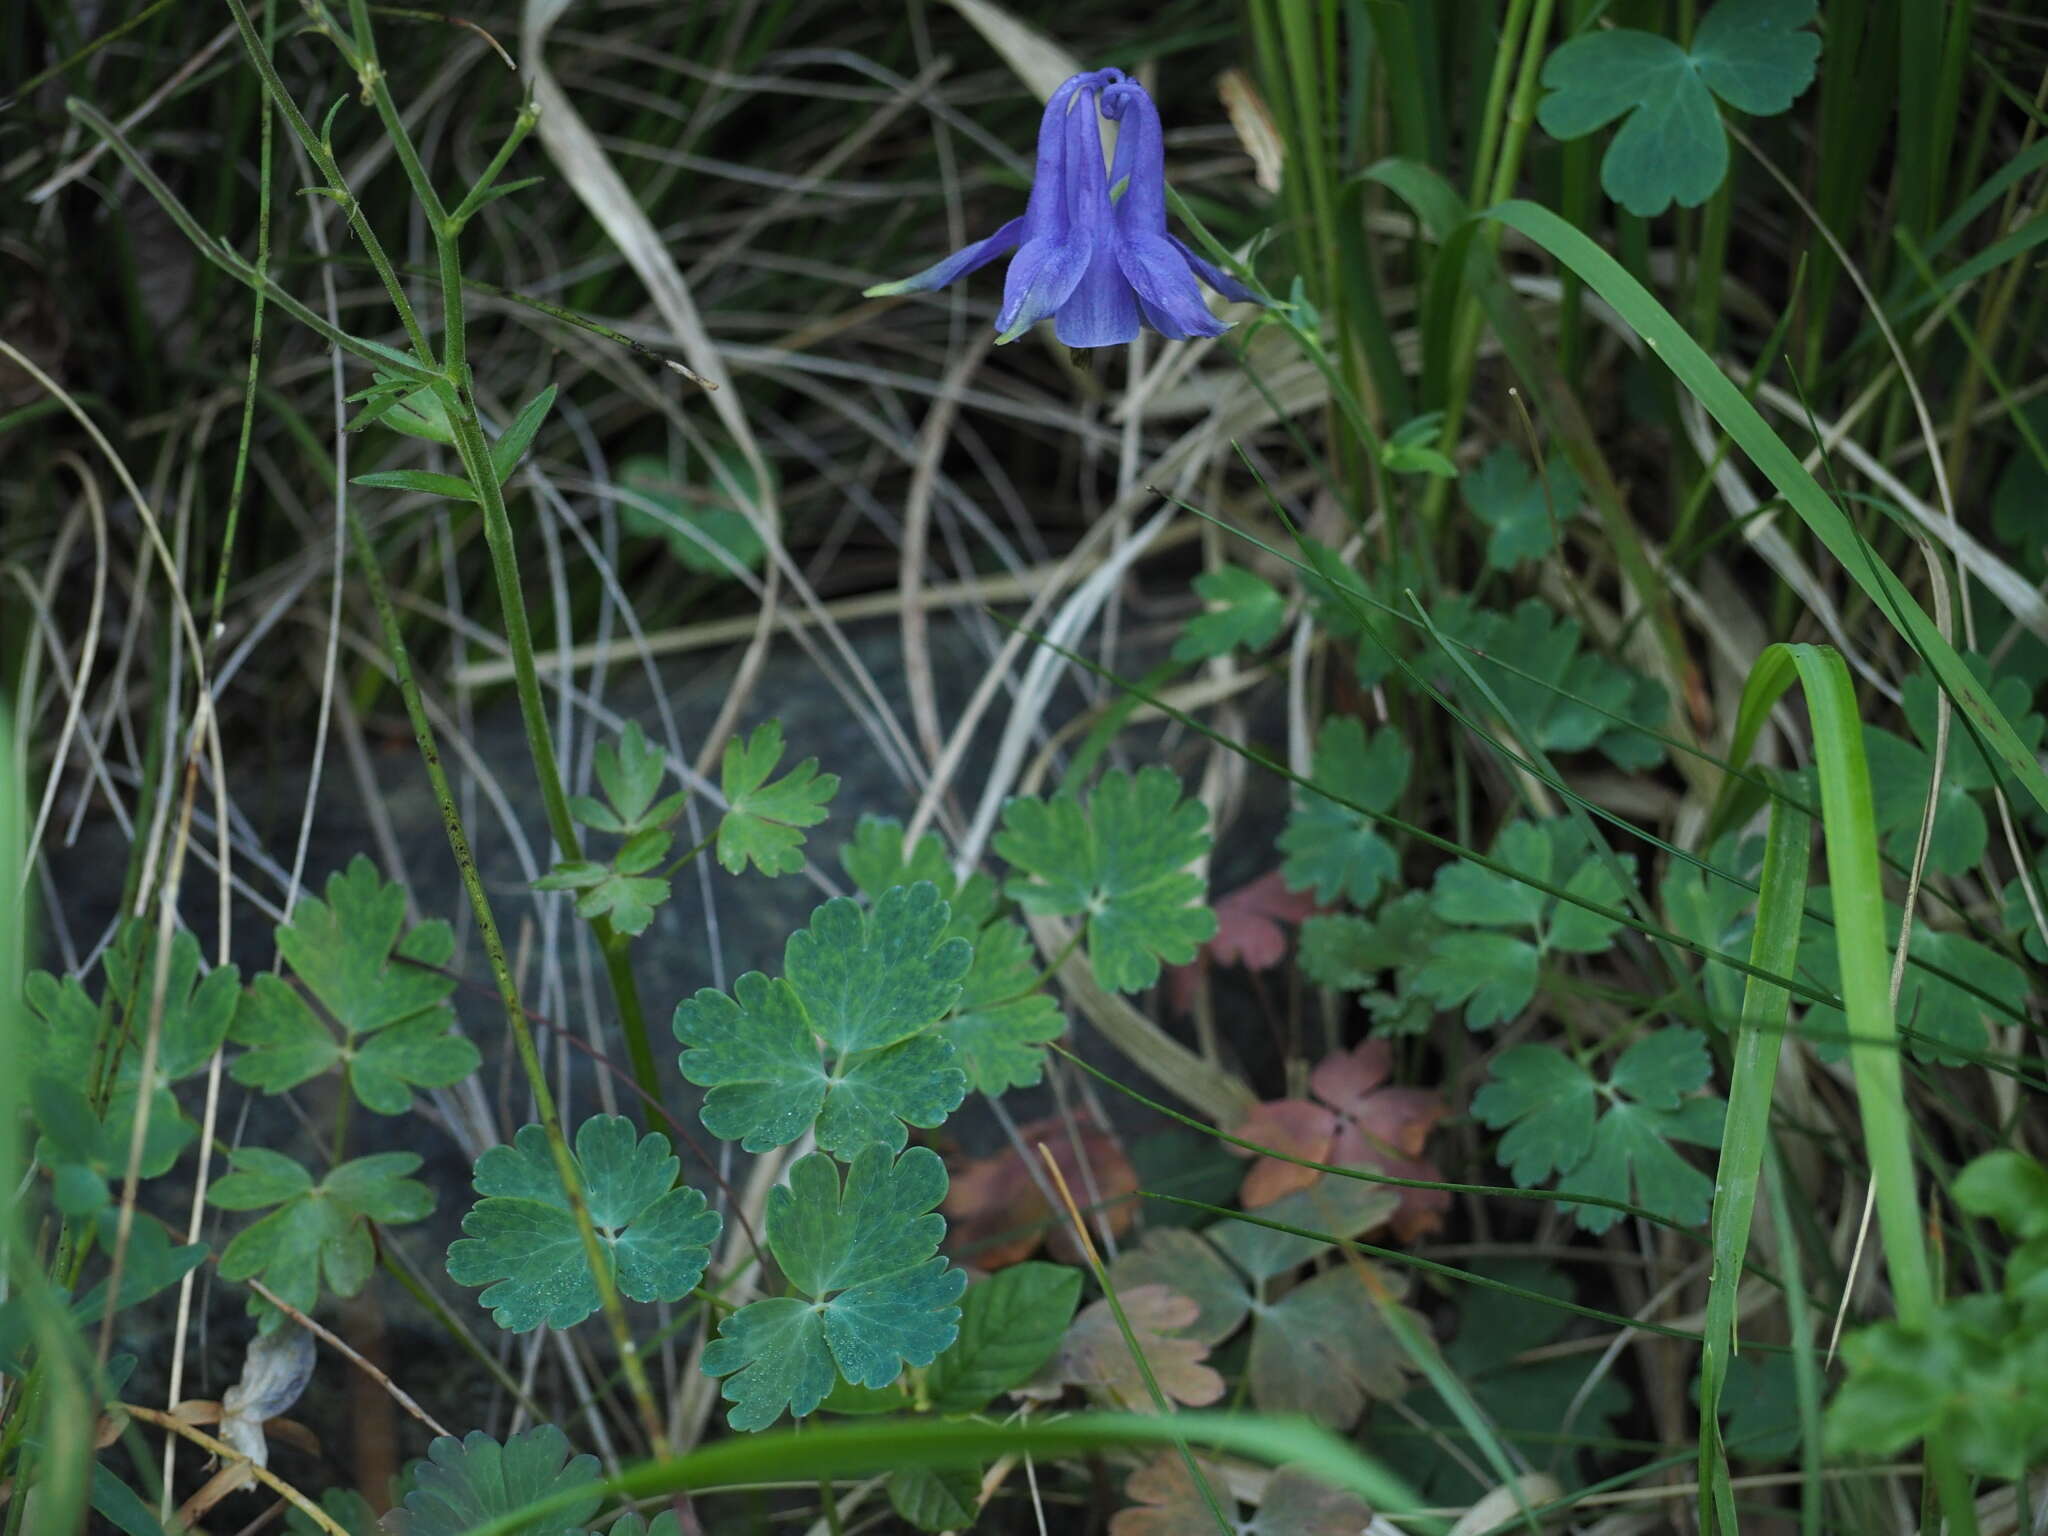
[
  {"x": 474, "y": 450},
  {"x": 476, "y": 459},
  {"x": 508, "y": 989},
  {"x": 323, "y": 159}
]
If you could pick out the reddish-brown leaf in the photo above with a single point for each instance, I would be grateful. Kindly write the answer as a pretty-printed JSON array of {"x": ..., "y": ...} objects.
[
  {"x": 1248, "y": 933},
  {"x": 1359, "y": 1123},
  {"x": 997, "y": 1213}
]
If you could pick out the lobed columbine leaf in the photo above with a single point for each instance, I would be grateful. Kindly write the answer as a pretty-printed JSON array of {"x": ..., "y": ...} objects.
[
  {"x": 1672, "y": 147},
  {"x": 318, "y": 1238},
  {"x": 845, "y": 1040},
  {"x": 1551, "y": 1107},
  {"x": 1002, "y": 1020},
  {"x": 523, "y": 1242},
  {"x": 464, "y": 1483},
  {"x": 1123, "y": 862},
  {"x": 763, "y": 818},
  {"x": 872, "y": 1294},
  {"x": 380, "y": 983},
  {"x": 1332, "y": 849},
  {"x": 59, "y": 1058}
]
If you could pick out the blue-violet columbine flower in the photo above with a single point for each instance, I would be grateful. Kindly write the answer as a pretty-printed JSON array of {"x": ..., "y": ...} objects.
[{"x": 1092, "y": 249}]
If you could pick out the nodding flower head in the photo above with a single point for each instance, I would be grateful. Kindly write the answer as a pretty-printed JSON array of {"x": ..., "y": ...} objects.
[{"x": 1092, "y": 250}]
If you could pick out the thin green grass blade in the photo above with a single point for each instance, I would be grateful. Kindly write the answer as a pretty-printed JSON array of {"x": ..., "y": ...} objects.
[
  {"x": 1773, "y": 947},
  {"x": 855, "y": 1449},
  {"x": 1725, "y": 403},
  {"x": 1856, "y": 878}
]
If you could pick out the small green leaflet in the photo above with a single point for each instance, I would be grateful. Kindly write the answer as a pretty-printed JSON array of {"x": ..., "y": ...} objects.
[
  {"x": 630, "y": 773},
  {"x": 1244, "y": 610},
  {"x": 1753, "y": 54},
  {"x": 1412, "y": 448},
  {"x": 1551, "y": 1108},
  {"x": 865, "y": 989},
  {"x": 370, "y": 976},
  {"x": 1010, "y": 1324},
  {"x": 1122, "y": 861},
  {"x": 936, "y": 1498},
  {"x": 1901, "y": 770},
  {"x": 701, "y": 523},
  {"x": 621, "y": 890},
  {"x": 464, "y": 1483},
  {"x": 1331, "y": 848},
  {"x": 762, "y": 818},
  {"x": 1949, "y": 1024},
  {"x": 872, "y": 1294},
  {"x": 85, "y": 1152},
  {"x": 1352, "y": 953},
  {"x": 1524, "y": 512},
  {"x": 319, "y": 1235},
  {"x": 1560, "y": 697},
  {"x": 1482, "y": 959},
  {"x": 1001, "y": 1021},
  {"x": 196, "y": 1013},
  {"x": 524, "y": 1245}
]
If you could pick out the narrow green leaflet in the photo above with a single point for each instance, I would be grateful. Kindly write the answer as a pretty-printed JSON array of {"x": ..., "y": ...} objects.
[
  {"x": 463, "y": 1483},
  {"x": 318, "y": 1238},
  {"x": 1010, "y": 1324},
  {"x": 763, "y": 817},
  {"x": 1002, "y": 1020},
  {"x": 1334, "y": 850},
  {"x": 1552, "y": 1110},
  {"x": 374, "y": 999},
  {"x": 1489, "y": 955},
  {"x": 524, "y": 1246},
  {"x": 1672, "y": 146},
  {"x": 872, "y": 1293},
  {"x": 151, "y": 1264},
  {"x": 1244, "y": 610},
  {"x": 1525, "y": 513},
  {"x": 844, "y": 1040},
  {"x": 1123, "y": 861}
]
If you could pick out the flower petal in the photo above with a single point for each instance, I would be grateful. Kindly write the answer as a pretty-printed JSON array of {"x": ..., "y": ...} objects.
[
  {"x": 1101, "y": 311},
  {"x": 957, "y": 265},
  {"x": 1050, "y": 267},
  {"x": 1173, "y": 304},
  {"x": 1140, "y": 157},
  {"x": 1214, "y": 275}
]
